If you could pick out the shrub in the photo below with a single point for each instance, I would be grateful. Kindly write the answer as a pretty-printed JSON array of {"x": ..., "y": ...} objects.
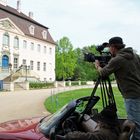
[
  {"x": 40, "y": 85},
  {"x": 83, "y": 82},
  {"x": 74, "y": 83}
]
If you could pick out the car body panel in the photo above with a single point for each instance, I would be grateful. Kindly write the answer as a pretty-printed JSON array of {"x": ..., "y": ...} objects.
[{"x": 25, "y": 129}]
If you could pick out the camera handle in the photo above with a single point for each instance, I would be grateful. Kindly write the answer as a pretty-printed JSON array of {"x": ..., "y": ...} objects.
[{"x": 107, "y": 95}]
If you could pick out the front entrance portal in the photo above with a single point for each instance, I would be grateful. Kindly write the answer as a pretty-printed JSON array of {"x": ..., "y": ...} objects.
[{"x": 5, "y": 62}]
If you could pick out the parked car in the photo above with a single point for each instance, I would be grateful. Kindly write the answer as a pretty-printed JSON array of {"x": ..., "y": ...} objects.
[{"x": 68, "y": 118}]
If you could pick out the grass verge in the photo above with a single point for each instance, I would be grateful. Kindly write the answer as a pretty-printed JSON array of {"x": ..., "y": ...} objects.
[{"x": 55, "y": 102}]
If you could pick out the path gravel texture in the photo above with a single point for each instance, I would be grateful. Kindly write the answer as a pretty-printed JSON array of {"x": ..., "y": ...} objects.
[{"x": 27, "y": 103}]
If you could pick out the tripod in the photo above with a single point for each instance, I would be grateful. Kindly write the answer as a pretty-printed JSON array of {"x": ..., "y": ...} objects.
[{"x": 107, "y": 95}]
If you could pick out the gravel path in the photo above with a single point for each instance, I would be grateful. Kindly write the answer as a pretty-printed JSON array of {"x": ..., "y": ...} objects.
[{"x": 25, "y": 104}]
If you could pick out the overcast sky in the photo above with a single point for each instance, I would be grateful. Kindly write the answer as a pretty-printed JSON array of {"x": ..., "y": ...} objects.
[{"x": 87, "y": 22}]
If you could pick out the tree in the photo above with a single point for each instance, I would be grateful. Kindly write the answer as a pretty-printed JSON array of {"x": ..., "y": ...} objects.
[
  {"x": 65, "y": 59},
  {"x": 79, "y": 72},
  {"x": 85, "y": 70}
]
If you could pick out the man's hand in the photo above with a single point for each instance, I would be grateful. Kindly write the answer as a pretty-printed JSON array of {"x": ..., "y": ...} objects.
[{"x": 97, "y": 65}]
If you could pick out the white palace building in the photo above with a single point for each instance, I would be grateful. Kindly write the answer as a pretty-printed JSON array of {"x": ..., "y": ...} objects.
[{"x": 27, "y": 50}]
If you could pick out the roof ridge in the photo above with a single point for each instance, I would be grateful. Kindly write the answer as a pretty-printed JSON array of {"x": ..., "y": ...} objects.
[{"x": 12, "y": 10}]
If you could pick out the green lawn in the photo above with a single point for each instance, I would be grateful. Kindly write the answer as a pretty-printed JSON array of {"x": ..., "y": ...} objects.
[{"x": 55, "y": 102}]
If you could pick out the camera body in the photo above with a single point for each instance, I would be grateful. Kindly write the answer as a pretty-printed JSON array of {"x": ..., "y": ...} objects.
[{"x": 103, "y": 58}]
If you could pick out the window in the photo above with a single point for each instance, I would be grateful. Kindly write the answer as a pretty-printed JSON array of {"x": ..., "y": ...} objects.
[
  {"x": 15, "y": 63},
  {"x": 50, "y": 50},
  {"x": 24, "y": 44},
  {"x": 44, "y": 34},
  {"x": 38, "y": 65},
  {"x": 38, "y": 48},
  {"x": 45, "y": 79},
  {"x": 16, "y": 42},
  {"x": 32, "y": 46},
  {"x": 31, "y": 29},
  {"x": 24, "y": 61},
  {"x": 6, "y": 39},
  {"x": 31, "y": 65},
  {"x": 45, "y": 49},
  {"x": 44, "y": 66}
]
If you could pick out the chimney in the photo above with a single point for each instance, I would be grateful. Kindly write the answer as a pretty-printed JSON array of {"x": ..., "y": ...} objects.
[
  {"x": 31, "y": 15},
  {"x": 19, "y": 6},
  {"x": 3, "y": 2}
]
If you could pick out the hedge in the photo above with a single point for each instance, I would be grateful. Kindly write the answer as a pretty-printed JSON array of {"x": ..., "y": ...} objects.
[{"x": 39, "y": 85}]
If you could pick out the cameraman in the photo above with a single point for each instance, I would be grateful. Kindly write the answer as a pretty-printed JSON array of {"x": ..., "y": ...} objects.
[{"x": 125, "y": 65}]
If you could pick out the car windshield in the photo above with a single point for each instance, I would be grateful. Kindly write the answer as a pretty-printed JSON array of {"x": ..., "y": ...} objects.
[
  {"x": 76, "y": 105},
  {"x": 46, "y": 122},
  {"x": 54, "y": 120}
]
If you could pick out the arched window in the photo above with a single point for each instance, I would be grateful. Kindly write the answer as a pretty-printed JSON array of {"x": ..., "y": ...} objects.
[
  {"x": 16, "y": 42},
  {"x": 6, "y": 39}
]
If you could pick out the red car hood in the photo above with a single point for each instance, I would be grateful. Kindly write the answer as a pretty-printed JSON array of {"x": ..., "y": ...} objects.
[{"x": 19, "y": 125}]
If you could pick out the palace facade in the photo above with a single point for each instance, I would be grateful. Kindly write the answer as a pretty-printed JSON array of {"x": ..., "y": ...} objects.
[{"x": 27, "y": 50}]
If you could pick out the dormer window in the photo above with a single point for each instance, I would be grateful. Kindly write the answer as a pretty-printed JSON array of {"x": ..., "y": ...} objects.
[
  {"x": 31, "y": 29},
  {"x": 44, "y": 34}
]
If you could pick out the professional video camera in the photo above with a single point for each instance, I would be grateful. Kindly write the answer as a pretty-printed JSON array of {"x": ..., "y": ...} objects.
[{"x": 103, "y": 58}]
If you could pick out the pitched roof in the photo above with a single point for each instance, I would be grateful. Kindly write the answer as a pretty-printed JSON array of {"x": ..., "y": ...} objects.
[{"x": 23, "y": 22}]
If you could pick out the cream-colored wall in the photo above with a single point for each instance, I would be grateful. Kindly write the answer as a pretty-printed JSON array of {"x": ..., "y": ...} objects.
[{"x": 33, "y": 55}]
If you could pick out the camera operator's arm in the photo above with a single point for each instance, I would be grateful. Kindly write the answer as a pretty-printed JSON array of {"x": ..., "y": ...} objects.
[{"x": 113, "y": 65}]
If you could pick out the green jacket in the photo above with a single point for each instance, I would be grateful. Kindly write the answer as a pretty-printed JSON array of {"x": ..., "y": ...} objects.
[{"x": 126, "y": 67}]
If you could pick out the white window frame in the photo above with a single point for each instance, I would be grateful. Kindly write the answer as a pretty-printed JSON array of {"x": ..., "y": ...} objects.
[
  {"x": 31, "y": 65},
  {"x": 44, "y": 66},
  {"x": 6, "y": 39},
  {"x": 24, "y": 61},
  {"x": 44, "y": 34},
  {"x": 15, "y": 62},
  {"x": 38, "y": 47},
  {"x": 16, "y": 42},
  {"x": 32, "y": 46},
  {"x": 32, "y": 30},
  {"x": 45, "y": 49},
  {"x": 24, "y": 44},
  {"x": 50, "y": 50},
  {"x": 38, "y": 66},
  {"x": 45, "y": 79}
]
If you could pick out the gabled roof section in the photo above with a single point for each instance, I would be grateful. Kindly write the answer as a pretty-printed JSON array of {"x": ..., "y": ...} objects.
[
  {"x": 23, "y": 22},
  {"x": 8, "y": 25}
]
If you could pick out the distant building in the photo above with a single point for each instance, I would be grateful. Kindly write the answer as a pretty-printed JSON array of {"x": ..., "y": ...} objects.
[{"x": 25, "y": 46}]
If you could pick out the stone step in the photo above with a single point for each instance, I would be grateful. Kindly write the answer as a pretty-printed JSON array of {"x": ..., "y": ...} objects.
[{"x": 3, "y": 75}]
